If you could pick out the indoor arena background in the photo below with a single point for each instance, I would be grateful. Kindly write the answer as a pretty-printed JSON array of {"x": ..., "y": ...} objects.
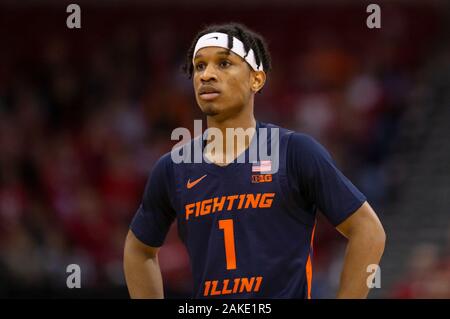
[{"x": 85, "y": 113}]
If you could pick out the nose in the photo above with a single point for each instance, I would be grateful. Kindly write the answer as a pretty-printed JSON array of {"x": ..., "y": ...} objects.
[{"x": 208, "y": 74}]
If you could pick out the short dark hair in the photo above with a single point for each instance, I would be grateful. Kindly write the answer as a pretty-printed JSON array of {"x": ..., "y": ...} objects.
[{"x": 251, "y": 40}]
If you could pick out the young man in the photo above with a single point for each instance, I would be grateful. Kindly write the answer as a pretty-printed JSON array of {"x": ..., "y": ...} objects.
[{"x": 248, "y": 229}]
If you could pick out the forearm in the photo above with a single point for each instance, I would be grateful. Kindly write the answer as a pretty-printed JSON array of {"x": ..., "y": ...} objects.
[
  {"x": 364, "y": 248},
  {"x": 142, "y": 272}
]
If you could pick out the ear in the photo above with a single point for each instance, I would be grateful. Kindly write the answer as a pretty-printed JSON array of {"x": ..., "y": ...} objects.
[{"x": 257, "y": 81}]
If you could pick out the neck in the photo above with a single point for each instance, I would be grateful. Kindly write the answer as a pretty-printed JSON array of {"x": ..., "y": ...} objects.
[{"x": 231, "y": 149}]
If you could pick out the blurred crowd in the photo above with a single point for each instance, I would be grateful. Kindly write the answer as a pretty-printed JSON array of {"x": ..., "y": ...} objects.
[
  {"x": 427, "y": 273},
  {"x": 79, "y": 133}
]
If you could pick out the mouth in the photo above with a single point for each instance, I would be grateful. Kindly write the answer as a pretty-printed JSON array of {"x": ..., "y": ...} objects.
[{"x": 208, "y": 93}]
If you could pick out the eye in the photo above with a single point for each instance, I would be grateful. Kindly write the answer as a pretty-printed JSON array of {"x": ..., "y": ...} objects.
[
  {"x": 224, "y": 64},
  {"x": 200, "y": 66}
]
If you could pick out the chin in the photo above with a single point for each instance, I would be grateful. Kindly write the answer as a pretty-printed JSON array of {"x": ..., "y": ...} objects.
[
  {"x": 210, "y": 110},
  {"x": 211, "y": 113}
]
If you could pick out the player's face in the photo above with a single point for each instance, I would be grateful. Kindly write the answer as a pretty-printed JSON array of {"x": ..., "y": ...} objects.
[{"x": 222, "y": 82}]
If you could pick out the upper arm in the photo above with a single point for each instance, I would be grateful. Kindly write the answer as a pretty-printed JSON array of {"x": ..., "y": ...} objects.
[
  {"x": 363, "y": 220},
  {"x": 134, "y": 246},
  {"x": 320, "y": 180},
  {"x": 156, "y": 213}
]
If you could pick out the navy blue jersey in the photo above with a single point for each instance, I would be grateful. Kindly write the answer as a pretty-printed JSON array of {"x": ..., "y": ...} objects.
[{"x": 248, "y": 234}]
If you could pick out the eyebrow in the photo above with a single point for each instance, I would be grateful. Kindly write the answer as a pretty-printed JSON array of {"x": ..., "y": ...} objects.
[{"x": 223, "y": 52}]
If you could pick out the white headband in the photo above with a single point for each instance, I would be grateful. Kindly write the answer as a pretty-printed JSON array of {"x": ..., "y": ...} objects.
[{"x": 218, "y": 39}]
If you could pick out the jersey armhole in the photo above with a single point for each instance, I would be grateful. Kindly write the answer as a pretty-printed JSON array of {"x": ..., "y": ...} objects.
[{"x": 286, "y": 191}]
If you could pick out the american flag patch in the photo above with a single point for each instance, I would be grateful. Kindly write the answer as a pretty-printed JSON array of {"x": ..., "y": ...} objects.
[{"x": 262, "y": 167}]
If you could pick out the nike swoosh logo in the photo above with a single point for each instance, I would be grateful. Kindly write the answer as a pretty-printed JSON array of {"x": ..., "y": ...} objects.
[
  {"x": 190, "y": 184},
  {"x": 213, "y": 38}
]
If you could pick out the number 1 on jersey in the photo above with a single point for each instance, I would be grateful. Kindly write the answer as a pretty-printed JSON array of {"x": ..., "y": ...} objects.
[{"x": 228, "y": 235}]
